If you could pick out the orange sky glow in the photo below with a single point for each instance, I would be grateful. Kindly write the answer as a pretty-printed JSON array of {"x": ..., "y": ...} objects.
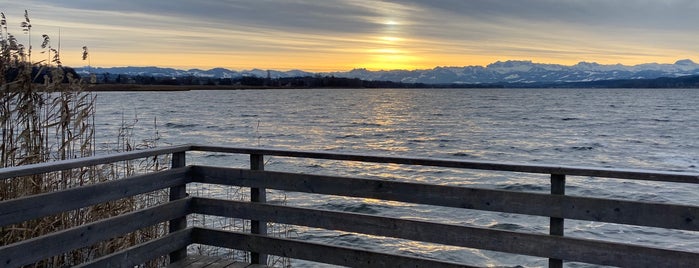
[{"x": 343, "y": 35}]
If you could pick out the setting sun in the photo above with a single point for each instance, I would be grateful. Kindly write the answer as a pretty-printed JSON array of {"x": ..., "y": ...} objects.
[
  {"x": 356, "y": 34},
  {"x": 391, "y": 22}
]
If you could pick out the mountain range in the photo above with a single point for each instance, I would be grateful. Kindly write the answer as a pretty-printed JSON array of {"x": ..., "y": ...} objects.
[{"x": 511, "y": 71}]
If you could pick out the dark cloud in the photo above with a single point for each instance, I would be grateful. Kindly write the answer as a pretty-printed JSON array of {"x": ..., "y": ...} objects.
[
  {"x": 445, "y": 27},
  {"x": 299, "y": 15},
  {"x": 651, "y": 14},
  {"x": 427, "y": 17}
]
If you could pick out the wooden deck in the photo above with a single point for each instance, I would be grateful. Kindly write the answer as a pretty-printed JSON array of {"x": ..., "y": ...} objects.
[
  {"x": 559, "y": 207},
  {"x": 199, "y": 261}
]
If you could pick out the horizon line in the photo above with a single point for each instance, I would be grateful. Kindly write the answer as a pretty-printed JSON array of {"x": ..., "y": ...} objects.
[{"x": 377, "y": 70}]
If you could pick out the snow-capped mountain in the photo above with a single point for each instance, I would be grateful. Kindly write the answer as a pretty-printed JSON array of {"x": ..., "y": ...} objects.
[
  {"x": 529, "y": 72},
  {"x": 170, "y": 72},
  {"x": 499, "y": 72}
]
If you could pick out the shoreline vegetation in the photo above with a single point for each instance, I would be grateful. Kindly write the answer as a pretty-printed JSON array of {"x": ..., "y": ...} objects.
[
  {"x": 134, "y": 87},
  {"x": 47, "y": 115},
  {"x": 187, "y": 83}
]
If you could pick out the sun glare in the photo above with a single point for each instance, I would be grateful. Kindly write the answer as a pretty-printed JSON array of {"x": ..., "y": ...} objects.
[
  {"x": 390, "y": 50},
  {"x": 387, "y": 51},
  {"x": 390, "y": 22},
  {"x": 391, "y": 61},
  {"x": 390, "y": 40}
]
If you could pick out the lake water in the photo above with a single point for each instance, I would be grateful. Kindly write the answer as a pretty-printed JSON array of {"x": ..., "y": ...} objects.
[{"x": 624, "y": 128}]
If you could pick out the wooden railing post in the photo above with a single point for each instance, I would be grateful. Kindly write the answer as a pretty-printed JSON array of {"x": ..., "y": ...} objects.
[
  {"x": 556, "y": 225},
  {"x": 178, "y": 192},
  {"x": 259, "y": 195}
]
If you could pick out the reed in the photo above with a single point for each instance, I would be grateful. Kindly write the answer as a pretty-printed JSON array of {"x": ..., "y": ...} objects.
[{"x": 55, "y": 121}]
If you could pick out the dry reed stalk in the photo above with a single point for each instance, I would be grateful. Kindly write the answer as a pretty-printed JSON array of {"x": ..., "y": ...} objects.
[{"x": 55, "y": 121}]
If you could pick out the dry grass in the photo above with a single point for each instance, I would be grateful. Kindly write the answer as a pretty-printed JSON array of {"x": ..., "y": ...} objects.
[{"x": 55, "y": 121}]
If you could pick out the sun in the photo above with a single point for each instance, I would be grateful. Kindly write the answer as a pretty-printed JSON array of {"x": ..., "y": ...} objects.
[
  {"x": 391, "y": 62},
  {"x": 390, "y": 50},
  {"x": 390, "y": 22},
  {"x": 390, "y": 58}
]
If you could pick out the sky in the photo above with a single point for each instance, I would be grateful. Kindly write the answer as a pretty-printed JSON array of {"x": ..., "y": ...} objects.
[{"x": 340, "y": 35}]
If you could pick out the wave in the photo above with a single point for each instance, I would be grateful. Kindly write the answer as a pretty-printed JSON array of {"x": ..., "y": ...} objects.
[
  {"x": 582, "y": 147},
  {"x": 217, "y": 155},
  {"x": 507, "y": 226},
  {"x": 348, "y": 136},
  {"x": 523, "y": 187},
  {"x": 357, "y": 208},
  {"x": 365, "y": 124},
  {"x": 176, "y": 125}
]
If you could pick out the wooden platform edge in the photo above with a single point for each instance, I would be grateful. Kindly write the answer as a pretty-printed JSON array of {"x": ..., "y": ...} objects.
[{"x": 200, "y": 261}]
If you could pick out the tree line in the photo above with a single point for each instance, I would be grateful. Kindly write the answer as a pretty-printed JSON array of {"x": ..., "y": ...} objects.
[
  {"x": 317, "y": 81},
  {"x": 40, "y": 74}
]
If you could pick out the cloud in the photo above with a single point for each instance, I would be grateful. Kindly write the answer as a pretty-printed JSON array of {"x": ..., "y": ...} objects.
[
  {"x": 406, "y": 29},
  {"x": 546, "y": 25},
  {"x": 614, "y": 13},
  {"x": 328, "y": 16}
]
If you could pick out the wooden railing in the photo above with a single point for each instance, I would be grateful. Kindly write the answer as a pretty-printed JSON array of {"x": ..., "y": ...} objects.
[{"x": 557, "y": 206}]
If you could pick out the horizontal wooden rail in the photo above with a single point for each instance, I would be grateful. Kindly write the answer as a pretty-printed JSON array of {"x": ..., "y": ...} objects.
[
  {"x": 147, "y": 251},
  {"x": 573, "y": 249},
  {"x": 560, "y": 206},
  {"x": 33, "y": 250},
  {"x": 556, "y": 206},
  {"x": 633, "y": 174},
  {"x": 33, "y": 169},
  {"x": 337, "y": 255},
  {"x": 37, "y": 206}
]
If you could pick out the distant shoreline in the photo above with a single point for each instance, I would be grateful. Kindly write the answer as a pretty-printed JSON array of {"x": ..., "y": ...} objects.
[
  {"x": 156, "y": 88},
  {"x": 662, "y": 82},
  {"x": 135, "y": 87}
]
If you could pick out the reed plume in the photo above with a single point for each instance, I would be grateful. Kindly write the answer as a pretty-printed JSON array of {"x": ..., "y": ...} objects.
[{"x": 50, "y": 121}]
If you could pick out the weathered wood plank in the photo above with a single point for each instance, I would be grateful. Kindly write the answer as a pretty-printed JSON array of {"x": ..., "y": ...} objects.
[
  {"x": 256, "y": 266},
  {"x": 258, "y": 194},
  {"x": 240, "y": 265},
  {"x": 33, "y": 169},
  {"x": 198, "y": 261},
  {"x": 310, "y": 251},
  {"x": 32, "y": 250},
  {"x": 186, "y": 262},
  {"x": 573, "y": 249},
  {"x": 615, "y": 211},
  {"x": 557, "y": 206},
  {"x": 142, "y": 253},
  {"x": 224, "y": 263},
  {"x": 178, "y": 192},
  {"x": 633, "y": 174},
  {"x": 557, "y": 225},
  {"x": 36, "y": 206},
  {"x": 203, "y": 261}
]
